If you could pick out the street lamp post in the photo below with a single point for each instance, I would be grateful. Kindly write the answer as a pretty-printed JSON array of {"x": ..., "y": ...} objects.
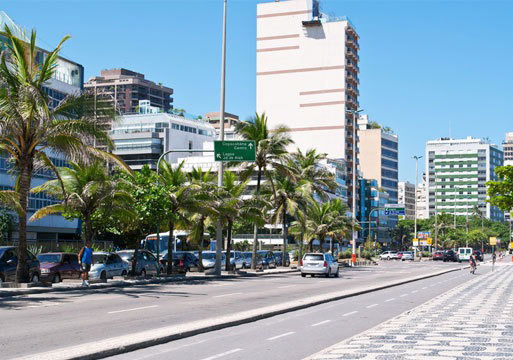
[
  {"x": 353, "y": 210},
  {"x": 416, "y": 187},
  {"x": 220, "y": 173}
]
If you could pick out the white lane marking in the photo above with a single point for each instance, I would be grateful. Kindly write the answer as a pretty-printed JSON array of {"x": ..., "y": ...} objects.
[
  {"x": 170, "y": 350},
  {"x": 392, "y": 299},
  {"x": 320, "y": 323},
  {"x": 350, "y": 313},
  {"x": 281, "y": 335},
  {"x": 224, "y": 284},
  {"x": 231, "y": 294},
  {"x": 322, "y": 281},
  {"x": 133, "y": 309},
  {"x": 414, "y": 291},
  {"x": 424, "y": 288},
  {"x": 285, "y": 286},
  {"x": 229, "y": 352},
  {"x": 403, "y": 295},
  {"x": 371, "y": 306},
  {"x": 42, "y": 305}
]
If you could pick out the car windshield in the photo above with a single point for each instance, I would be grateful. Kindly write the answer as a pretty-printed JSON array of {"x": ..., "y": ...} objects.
[
  {"x": 209, "y": 256},
  {"x": 126, "y": 255},
  {"x": 2, "y": 252},
  {"x": 100, "y": 258},
  {"x": 49, "y": 258},
  {"x": 315, "y": 257}
]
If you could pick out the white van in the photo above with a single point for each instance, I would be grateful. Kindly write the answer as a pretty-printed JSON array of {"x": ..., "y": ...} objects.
[{"x": 464, "y": 253}]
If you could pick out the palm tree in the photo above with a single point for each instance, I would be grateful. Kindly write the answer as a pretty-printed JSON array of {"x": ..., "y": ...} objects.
[
  {"x": 299, "y": 227},
  {"x": 29, "y": 127},
  {"x": 204, "y": 206},
  {"x": 341, "y": 225},
  {"x": 271, "y": 147},
  {"x": 84, "y": 191},
  {"x": 181, "y": 198}
]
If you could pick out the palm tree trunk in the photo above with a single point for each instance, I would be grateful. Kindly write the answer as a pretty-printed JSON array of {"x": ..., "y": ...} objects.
[
  {"x": 285, "y": 235},
  {"x": 200, "y": 252},
  {"x": 300, "y": 252},
  {"x": 170, "y": 240},
  {"x": 22, "y": 274},
  {"x": 310, "y": 244},
  {"x": 229, "y": 245},
  {"x": 87, "y": 229},
  {"x": 255, "y": 228}
]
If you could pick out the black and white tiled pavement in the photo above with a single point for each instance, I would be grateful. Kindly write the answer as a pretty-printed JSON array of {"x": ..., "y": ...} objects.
[{"x": 473, "y": 321}]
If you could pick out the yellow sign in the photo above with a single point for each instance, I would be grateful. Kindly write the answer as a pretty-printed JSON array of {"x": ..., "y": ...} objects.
[
  {"x": 493, "y": 240},
  {"x": 429, "y": 241}
]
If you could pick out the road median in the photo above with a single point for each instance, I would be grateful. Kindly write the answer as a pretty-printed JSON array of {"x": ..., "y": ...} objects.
[{"x": 139, "y": 340}]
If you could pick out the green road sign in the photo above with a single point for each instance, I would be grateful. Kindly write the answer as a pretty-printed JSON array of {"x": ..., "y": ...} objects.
[{"x": 234, "y": 150}]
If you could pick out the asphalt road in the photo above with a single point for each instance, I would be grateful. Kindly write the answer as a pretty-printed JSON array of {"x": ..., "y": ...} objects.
[
  {"x": 299, "y": 334},
  {"x": 42, "y": 322}
]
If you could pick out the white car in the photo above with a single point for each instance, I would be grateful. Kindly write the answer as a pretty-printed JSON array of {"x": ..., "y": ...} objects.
[
  {"x": 107, "y": 265},
  {"x": 407, "y": 255},
  {"x": 389, "y": 255},
  {"x": 319, "y": 264},
  {"x": 464, "y": 253},
  {"x": 236, "y": 259}
]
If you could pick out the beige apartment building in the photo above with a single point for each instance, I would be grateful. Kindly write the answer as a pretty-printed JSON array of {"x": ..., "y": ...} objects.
[
  {"x": 507, "y": 146},
  {"x": 127, "y": 88},
  {"x": 230, "y": 122},
  {"x": 406, "y": 197},
  {"x": 307, "y": 76}
]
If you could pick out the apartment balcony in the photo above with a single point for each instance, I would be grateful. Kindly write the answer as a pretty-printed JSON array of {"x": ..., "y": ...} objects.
[
  {"x": 352, "y": 65},
  {"x": 352, "y": 54}
]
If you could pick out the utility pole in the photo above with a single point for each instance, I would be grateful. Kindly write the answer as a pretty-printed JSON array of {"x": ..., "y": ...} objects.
[
  {"x": 220, "y": 173},
  {"x": 416, "y": 187}
]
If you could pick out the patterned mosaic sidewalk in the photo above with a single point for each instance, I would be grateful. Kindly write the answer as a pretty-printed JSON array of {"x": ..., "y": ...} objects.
[{"x": 473, "y": 321}]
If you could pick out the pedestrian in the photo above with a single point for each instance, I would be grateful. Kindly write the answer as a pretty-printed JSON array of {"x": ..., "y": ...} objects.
[{"x": 85, "y": 259}]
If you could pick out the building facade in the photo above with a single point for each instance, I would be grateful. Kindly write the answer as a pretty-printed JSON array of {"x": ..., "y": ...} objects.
[
  {"x": 140, "y": 139},
  {"x": 406, "y": 197},
  {"x": 421, "y": 196},
  {"x": 307, "y": 76},
  {"x": 458, "y": 170},
  {"x": 376, "y": 225},
  {"x": 230, "y": 123},
  {"x": 507, "y": 147},
  {"x": 125, "y": 88},
  {"x": 67, "y": 80},
  {"x": 379, "y": 153}
]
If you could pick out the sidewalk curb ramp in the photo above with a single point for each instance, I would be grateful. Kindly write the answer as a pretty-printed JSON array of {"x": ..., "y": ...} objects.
[
  {"x": 135, "y": 341},
  {"x": 124, "y": 283}
]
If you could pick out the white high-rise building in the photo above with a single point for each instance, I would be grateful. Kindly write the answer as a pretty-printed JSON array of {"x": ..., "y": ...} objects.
[
  {"x": 421, "y": 197},
  {"x": 457, "y": 172},
  {"x": 406, "y": 197},
  {"x": 507, "y": 146},
  {"x": 307, "y": 75}
]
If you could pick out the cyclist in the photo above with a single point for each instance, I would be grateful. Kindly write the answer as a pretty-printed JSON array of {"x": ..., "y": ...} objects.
[{"x": 473, "y": 263}]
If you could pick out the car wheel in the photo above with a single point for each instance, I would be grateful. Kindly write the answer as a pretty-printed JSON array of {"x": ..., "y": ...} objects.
[
  {"x": 103, "y": 275},
  {"x": 143, "y": 273},
  {"x": 35, "y": 278},
  {"x": 303, "y": 275},
  {"x": 56, "y": 279},
  {"x": 388, "y": 258},
  {"x": 123, "y": 273}
]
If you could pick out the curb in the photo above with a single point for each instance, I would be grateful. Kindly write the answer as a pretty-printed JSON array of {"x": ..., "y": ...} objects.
[
  {"x": 136, "y": 341},
  {"x": 123, "y": 283}
]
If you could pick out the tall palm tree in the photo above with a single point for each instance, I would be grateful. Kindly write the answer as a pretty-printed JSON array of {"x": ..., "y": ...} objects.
[
  {"x": 29, "y": 127},
  {"x": 203, "y": 209},
  {"x": 341, "y": 225},
  {"x": 181, "y": 198},
  {"x": 271, "y": 147},
  {"x": 84, "y": 191}
]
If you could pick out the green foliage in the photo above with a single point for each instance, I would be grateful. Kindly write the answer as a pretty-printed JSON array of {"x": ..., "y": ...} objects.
[
  {"x": 345, "y": 254},
  {"x": 6, "y": 224},
  {"x": 68, "y": 248},
  {"x": 242, "y": 246},
  {"x": 35, "y": 249},
  {"x": 501, "y": 191}
]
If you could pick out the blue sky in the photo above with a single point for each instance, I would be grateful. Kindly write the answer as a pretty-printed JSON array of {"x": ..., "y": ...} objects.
[{"x": 428, "y": 68}]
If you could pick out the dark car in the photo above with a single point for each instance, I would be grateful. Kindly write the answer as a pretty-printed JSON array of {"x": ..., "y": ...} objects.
[
  {"x": 450, "y": 255},
  {"x": 268, "y": 260},
  {"x": 478, "y": 254},
  {"x": 9, "y": 262},
  {"x": 248, "y": 255},
  {"x": 147, "y": 263},
  {"x": 57, "y": 266},
  {"x": 183, "y": 261},
  {"x": 438, "y": 255},
  {"x": 278, "y": 258}
]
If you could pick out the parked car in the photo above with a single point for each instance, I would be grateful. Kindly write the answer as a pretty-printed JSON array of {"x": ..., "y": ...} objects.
[
  {"x": 58, "y": 266},
  {"x": 146, "y": 264},
  {"x": 236, "y": 259},
  {"x": 399, "y": 255},
  {"x": 247, "y": 259},
  {"x": 407, "y": 255},
  {"x": 464, "y": 253},
  {"x": 106, "y": 265},
  {"x": 438, "y": 255},
  {"x": 9, "y": 262},
  {"x": 479, "y": 255},
  {"x": 278, "y": 258},
  {"x": 450, "y": 255},
  {"x": 268, "y": 260},
  {"x": 209, "y": 260},
  {"x": 389, "y": 255},
  {"x": 319, "y": 264}
]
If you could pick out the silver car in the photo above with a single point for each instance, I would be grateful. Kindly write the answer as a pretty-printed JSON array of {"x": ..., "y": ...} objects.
[
  {"x": 407, "y": 255},
  {"x": 107, "y": 265},
  {"x": 147, "y": 263},
  {"x": 236, "y": 259},
  {"x": 209, "y": 260},
  {"x": 319, "y": 264}
]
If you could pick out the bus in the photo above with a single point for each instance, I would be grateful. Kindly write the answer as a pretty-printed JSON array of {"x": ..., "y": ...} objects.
[{"x": 180, "y": 239}]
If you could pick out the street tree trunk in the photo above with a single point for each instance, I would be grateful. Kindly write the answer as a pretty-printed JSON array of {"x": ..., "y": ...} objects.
[
  {"x": 229, "y": 245},
  {"x": 255, "y": 228},
  {"x": 285, "y": 235},
  {"x": 200, "y": 252},
  {"x": 87, "y": 229},
  {"x": 22, "y": 273},
  {"x": 170, "y": 248}
]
